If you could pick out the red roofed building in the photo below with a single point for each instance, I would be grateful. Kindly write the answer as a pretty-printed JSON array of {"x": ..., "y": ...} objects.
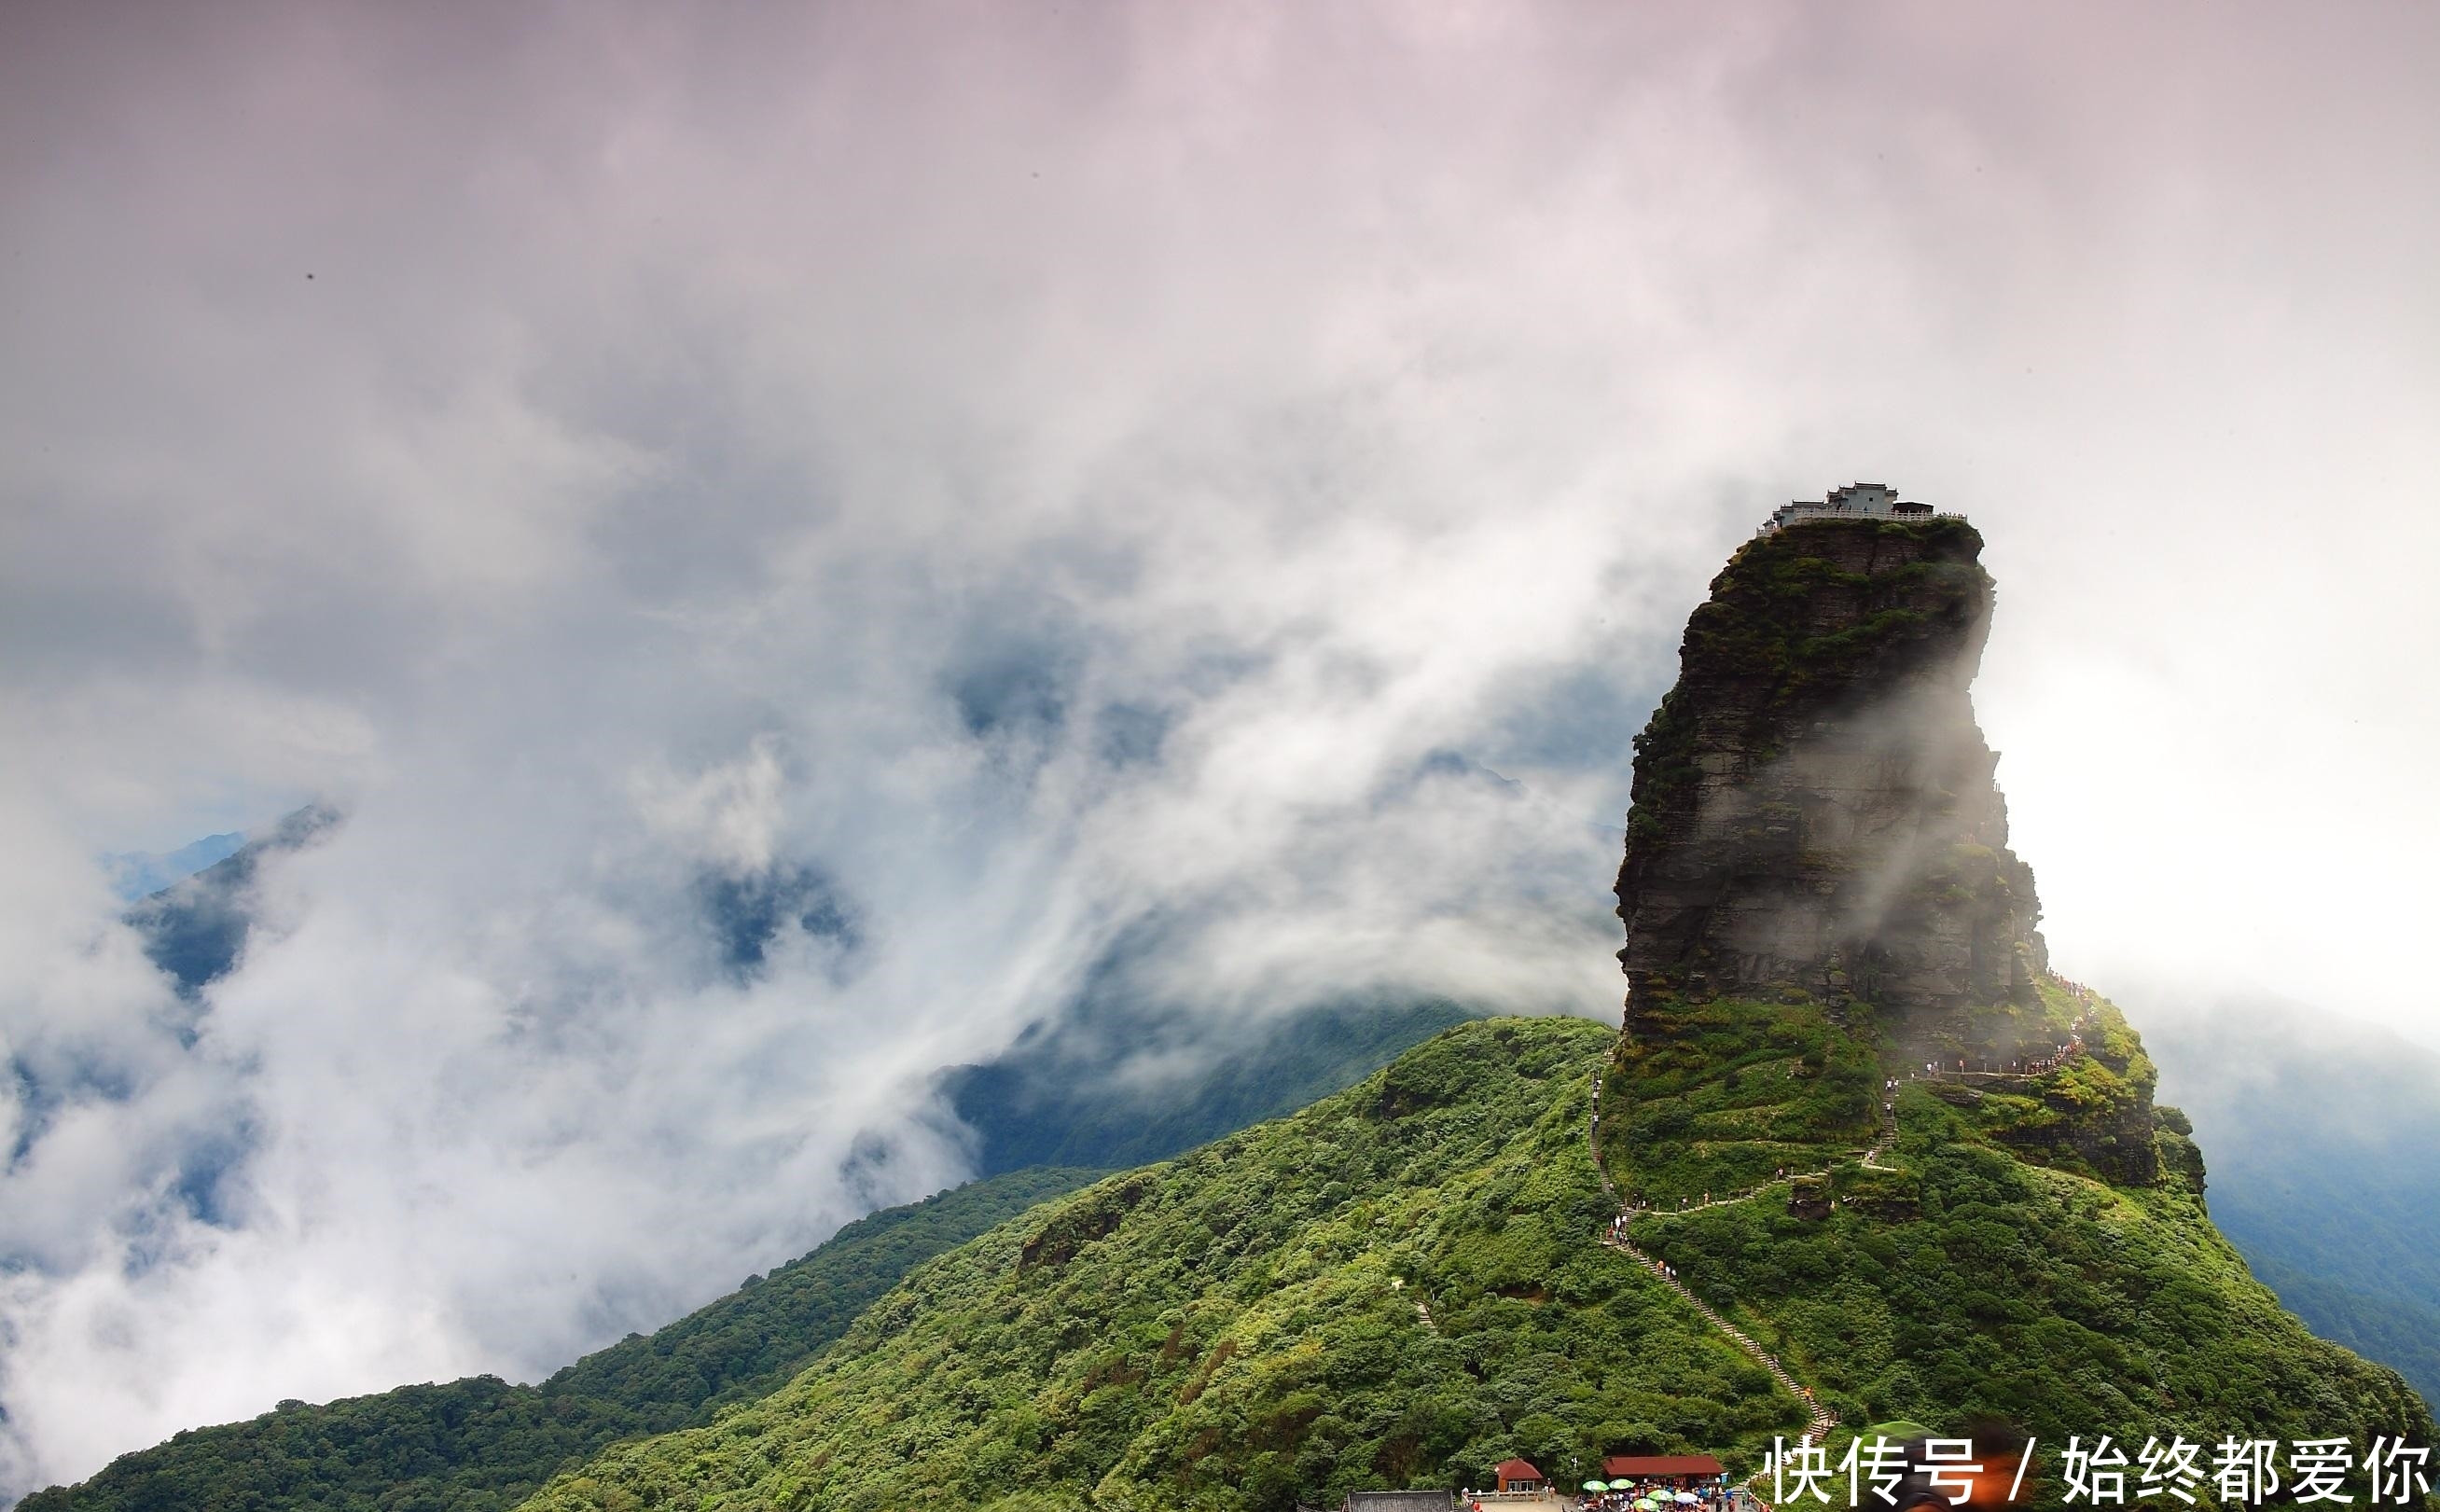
[
  {"x": 1517, "y": 1475},
  {"x": 1681, "y": 1471}
]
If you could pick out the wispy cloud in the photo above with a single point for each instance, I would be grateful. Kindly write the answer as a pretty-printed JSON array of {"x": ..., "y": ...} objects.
[{"x": 1022, "y": 477}]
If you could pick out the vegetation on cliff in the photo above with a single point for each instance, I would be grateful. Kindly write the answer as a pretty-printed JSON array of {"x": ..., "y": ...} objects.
[
  {"x": 1399, "y": 1285},
  {"x": 1719, "y": 1096},
  {"x": 1799, "y": 619},
  {"x": 2009, "y": 1252},
  {"x": 1820, "y": 904}
]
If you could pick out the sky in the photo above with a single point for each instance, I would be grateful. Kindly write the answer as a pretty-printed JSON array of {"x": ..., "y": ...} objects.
[{"x": 1046, "y": 470}]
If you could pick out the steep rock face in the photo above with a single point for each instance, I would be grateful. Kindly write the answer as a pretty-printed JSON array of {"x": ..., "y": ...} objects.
[{"x": 1814, "y": 807}]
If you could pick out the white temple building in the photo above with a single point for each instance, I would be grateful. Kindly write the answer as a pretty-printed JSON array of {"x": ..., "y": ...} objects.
[{"x": 1856, "y": 501}]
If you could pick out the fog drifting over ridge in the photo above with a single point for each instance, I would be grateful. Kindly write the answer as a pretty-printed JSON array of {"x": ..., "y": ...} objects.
[{"x": 1051, "y": 476}]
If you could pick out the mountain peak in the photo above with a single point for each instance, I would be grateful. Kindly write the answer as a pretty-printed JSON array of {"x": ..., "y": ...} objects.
[{"x": 1813, "y": 805}]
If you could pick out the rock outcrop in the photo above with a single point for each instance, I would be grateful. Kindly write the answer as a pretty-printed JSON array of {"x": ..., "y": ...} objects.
[{"x": 1813, "y": 809}]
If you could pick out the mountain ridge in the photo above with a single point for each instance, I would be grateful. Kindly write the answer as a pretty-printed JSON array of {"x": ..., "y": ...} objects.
[
  {"x": 1398, "y": 1283},
  {"x": 1403, "y": 1284},
  {"x": 480, "y": 1443},
  {"x": 1861, "y": 1126},
  {"x": 1891, "y": 1159},
  {"x": 1850, "y": 1098},
  {"x": 1813, "y": 804}
]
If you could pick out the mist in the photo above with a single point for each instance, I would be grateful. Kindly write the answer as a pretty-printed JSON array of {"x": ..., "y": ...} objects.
[{"x": 1010, "y": 479}]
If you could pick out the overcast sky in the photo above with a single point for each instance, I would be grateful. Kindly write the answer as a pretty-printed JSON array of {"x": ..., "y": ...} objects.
[{"x": 1047, "y": 469}]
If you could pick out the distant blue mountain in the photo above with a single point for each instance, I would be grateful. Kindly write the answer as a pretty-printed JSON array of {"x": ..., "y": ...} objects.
[
  {"x": 136, "y": 873},
  {"x": 1115, "y": 1082},
  {"x": 195, "y": 929},
  {"x": 2322, "y": 1139}
]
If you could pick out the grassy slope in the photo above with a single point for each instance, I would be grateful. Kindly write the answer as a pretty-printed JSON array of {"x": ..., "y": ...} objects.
[
  {"x": 480, "y": 1443},
  {"x": 1240, "y": 1327},
  {"x": 1735, "y": 1092},
  {"x": 1993, "y": 1270}
]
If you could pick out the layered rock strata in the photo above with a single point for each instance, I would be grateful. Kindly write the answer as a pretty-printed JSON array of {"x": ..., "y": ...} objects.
[{"x": 1813, "y": 805}]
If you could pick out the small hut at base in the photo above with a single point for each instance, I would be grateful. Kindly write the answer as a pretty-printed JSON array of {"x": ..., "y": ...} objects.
[
  {"x": 1517, "y": 1475},
  {"x": 1684, "y": 1471}
]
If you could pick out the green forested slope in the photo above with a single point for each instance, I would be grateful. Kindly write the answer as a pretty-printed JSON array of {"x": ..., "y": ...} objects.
[
  {"x": 1399, "y": 1286},
  {"x": 1247, "y": 1324},
  {"x": 2009, "y": 1254},
  {"x": 2383, "y": 1326},
  {"x": 754, "y": 1339},
  {"x": 480, "y": 1443}
]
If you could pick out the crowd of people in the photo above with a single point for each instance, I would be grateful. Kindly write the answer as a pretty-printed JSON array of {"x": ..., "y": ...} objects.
[
  {"x": 2082, "y": 993},
  {"x": 1655, "y": 1496},
  {"x": 2019, "y": 1066},
  {"x": 1618, "y": 1233}
]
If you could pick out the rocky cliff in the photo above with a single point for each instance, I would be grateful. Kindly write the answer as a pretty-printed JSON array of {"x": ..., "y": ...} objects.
[
  {"x": 1852, "y": 1103},
  {"x": 1814, "y": 810}
]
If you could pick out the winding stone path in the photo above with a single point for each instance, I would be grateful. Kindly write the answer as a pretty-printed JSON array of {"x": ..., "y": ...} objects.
[
  {"x": 1822, "y": 1417},
  {"x": 1869, "y": 1158},
  {"x": 1889, "y": 1134}
]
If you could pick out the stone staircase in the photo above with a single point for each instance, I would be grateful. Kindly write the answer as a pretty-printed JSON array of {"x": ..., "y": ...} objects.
[
  {"x": 1869, "y": 1158},
  {"x": 1821, "y": 1419},
  {"x": 1889, "y": 1133}
]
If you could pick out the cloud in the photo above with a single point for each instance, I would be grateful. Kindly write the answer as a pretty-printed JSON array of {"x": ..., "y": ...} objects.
[{"x": 990, "y": 482}]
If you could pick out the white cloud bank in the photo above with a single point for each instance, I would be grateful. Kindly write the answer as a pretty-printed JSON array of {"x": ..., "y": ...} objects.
[{"x": 1041, "y": 471}]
